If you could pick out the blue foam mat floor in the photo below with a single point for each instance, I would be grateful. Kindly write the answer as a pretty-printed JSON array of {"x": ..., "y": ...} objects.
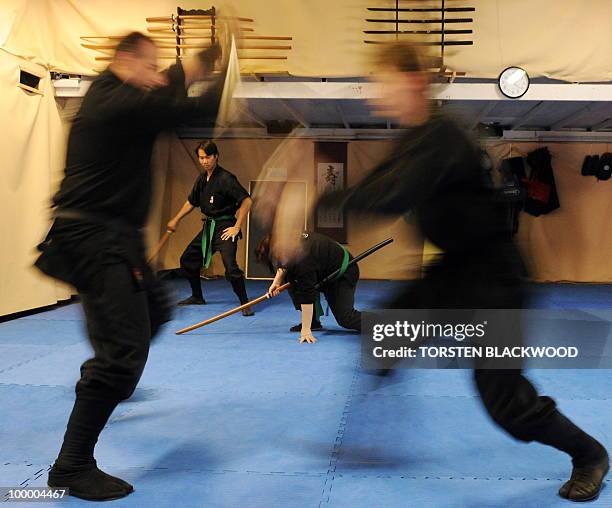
[{"x": 239, "y": 414}]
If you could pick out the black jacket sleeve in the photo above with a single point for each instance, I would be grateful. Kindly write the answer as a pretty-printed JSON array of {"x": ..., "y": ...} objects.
[
  {"x": 163, "y": 108},
  {"x": 194, "y": 195},
  {"x": 303, "y": 278}
]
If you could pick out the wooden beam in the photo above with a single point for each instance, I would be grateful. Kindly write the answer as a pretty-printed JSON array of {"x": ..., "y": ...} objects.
[
  {"x": 161, "y": 19},
  {"x": 184, "y": 46},
  {"x": 174, "y": 37},
  {"x": 435, "y": 43},
  {"x": 340, "y": 111},
  {"x": 421, "y": 21},
  {"x": 601, "y": 125},
  {"x": 422, "y": 9},
  {"x": 488, "y": 107},
  {"x": 244, "y": 108},
  {"x": 297, "y": 116},
  {"x": 529, "y": 115},
  {"x": 419, "y": 32},
  {"x": 173, "y": 57},
  {"x": 570, "y": 118},
  {"x": 172, "y": 28}
]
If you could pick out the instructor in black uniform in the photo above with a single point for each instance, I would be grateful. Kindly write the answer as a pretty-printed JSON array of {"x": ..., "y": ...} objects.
[
  {"x": 315, "y": 257},
  {"x": 96, "y": 241},
  {"x": 225, "y": 205},
  {"x": 435, "y": 170}
]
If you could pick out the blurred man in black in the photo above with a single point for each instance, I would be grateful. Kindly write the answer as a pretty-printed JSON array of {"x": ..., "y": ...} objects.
[
  {"x": 96, "y": 243},
  {"x": 435, "y": 171},
  {"x": 225, "y": 204},
  {"x": 316, "y": 257}
]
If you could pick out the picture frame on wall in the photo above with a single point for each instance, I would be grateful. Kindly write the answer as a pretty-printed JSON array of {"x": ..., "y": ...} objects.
[{"x": 330, "y": 176}]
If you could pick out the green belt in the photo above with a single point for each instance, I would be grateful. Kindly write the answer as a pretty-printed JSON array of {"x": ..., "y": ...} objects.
[
  {"x": 343, "y": 266},
  {"x": 208, "y": 232}
]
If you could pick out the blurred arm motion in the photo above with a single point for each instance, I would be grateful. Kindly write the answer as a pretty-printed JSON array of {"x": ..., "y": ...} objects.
[{"x": 185, "y": 210}]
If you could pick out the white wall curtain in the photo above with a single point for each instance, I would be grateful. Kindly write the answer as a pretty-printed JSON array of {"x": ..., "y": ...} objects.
[{"x": 32, "y": 145}]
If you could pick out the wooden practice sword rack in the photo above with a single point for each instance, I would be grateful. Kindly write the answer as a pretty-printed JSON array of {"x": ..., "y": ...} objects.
[
  {"x": 441, "y": 26},
  {"x": 196, "y": 29}
]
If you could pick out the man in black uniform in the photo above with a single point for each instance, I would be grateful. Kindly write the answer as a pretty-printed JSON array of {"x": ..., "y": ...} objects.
[
  {"x": 316, "y": 257},
  {"x": 220, "y": 196},
  {"x": 96, "y": 243},
  {"x": 435, "y": 171}
]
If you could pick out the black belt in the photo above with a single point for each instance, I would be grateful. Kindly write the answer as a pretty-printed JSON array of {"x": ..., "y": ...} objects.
[
  {"x": 129, "y": 246},
  {"x": 96, "y": 218}
]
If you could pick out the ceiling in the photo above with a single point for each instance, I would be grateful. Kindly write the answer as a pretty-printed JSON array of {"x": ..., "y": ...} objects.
[
  {"x": 341, "y": 108},
  {"x": 339, "y": 113}
]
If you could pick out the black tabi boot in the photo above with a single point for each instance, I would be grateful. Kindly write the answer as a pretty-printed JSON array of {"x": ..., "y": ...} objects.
[
  {"x": 196, "y": 297},
  {"x": 75, "y": 467},
  {"x": 240, "y": 289},
  {"x": 589, "y": 458}
]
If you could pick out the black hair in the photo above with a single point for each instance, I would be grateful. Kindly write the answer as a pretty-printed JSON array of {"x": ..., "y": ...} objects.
[
  {"x": 209, "y": 147},
  {"x": 130, "y": 42}
]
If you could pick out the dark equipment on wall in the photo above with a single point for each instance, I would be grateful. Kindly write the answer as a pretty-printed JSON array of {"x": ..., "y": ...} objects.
[{"x": 598, "y": 166}]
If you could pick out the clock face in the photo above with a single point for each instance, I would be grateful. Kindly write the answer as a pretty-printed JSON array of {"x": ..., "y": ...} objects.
[{"x": 514, "y": 82}]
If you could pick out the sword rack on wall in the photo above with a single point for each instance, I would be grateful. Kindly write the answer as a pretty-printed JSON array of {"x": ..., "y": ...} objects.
[
  {"x": 441, "y": 26},
  {"x": 189, "y": 31}
]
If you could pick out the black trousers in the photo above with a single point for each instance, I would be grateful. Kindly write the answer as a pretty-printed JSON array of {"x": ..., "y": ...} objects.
[
  {"x": 192, "y": 261},
  {"x": 340, "y": 294},
  {"x": 123, "y": 315},
  {"x": 192, "y": 258},
  {"x": 124, "y": 306},
  {"x": 492, "y": 281}
]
